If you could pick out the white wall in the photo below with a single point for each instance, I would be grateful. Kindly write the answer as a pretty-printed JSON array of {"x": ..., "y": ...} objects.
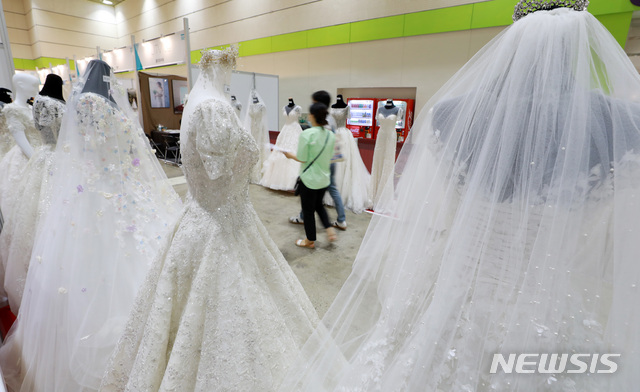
[
  {"x": 216, "y": 22},
  {"x": 425, "y": 62}
]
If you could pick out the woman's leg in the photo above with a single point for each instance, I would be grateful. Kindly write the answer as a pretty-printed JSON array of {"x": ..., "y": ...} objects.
[
  {"x": 308, "y": 202},
  {"x": 319, "y": 208}
]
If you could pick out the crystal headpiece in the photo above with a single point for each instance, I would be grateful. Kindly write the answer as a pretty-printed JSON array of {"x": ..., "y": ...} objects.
[
  {"x": 226, "y": 57},
  {"x": 526, "y": 7}
]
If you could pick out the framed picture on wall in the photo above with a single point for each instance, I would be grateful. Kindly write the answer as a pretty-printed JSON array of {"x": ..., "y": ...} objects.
[
  {"x": 159, "y": 92},
  {"x": 180, "y": 90}
]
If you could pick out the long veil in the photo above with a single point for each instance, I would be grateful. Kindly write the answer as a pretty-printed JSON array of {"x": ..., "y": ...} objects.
[
  {"x": 109, "y": 206},
  {"x": 509, "y": 227}
]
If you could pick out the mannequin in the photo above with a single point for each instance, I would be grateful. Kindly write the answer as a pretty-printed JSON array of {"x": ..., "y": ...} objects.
[
  {"x": 26, "y": 86},
  {"x": 5, "y": 96},
  {"x": 236, "y": 105},
  {"x": 340, "y": 103},
  {"x": 290, "y": 106},
  {"x": 389, "y": 109}
]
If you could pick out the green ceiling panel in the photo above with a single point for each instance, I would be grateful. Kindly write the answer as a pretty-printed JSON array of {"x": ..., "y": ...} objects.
[
  {"x": 291, "y": 41},
  {"x": 618, "y": 25},
  {"x": 598, "y": 7},
  {"x": 492, "y": 13},
  {"x": 438, "y": 21},
  {"x": 326, "y": 36},
  {"x": 374, "y": 29},
  {"x": 255, "y": 46}
]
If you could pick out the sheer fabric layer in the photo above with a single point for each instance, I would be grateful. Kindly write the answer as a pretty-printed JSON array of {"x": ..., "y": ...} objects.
[
  {"x": 510, "y": 227},
  {"x": 110, "y": 205}
]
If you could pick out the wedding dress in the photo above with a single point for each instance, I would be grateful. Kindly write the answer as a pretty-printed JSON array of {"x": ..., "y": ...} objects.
[
  {"x": 279, "y": 172},
  {"x": 110, "y": 206},
  {"x": 256, "y": 123},
  {"x": 16, "y": 241},
  {"x": 384, "y": 156},
  {"x": 351, "y": 175},
  {"x": 221, "y": 310},
  {"x": 512, "y": 229},
  {"x": 6, "y": 140},
  {"x": 18, "y": 119}
]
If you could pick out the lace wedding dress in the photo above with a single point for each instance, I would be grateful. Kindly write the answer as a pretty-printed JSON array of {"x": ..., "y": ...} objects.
[
  {"x": 18, "y": 119},
  {"x": 109, "y": 208},
  {"x": 384, "y": 157},
  {"x": 512, "y": 229},
  {"x": 351, "y": 175},
  {"x": 279, "y": 172},
  {"x": 6, "y": 140},
  {"x": 256, "y": 123},
  {"x": 221, "y": 310},
  {"x": 16, "y": 240}
]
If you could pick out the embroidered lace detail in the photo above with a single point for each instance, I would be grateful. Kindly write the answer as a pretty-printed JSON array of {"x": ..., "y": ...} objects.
[
  {"x": 220, "y": 309},
  {"x": 47, "y": 115}
]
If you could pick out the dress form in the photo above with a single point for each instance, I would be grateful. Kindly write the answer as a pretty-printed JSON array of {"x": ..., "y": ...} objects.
[
  {"x": 25, "y": 86},
  {"x": 290, "y": 106}
]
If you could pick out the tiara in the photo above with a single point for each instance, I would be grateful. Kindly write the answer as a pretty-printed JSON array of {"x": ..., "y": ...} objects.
[
  {"x": 226, "y": 57},
  {"x": 526, "y": 7}
]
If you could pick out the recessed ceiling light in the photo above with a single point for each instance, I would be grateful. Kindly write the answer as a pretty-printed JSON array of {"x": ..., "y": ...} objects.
[{"x": 107, "y": 2}]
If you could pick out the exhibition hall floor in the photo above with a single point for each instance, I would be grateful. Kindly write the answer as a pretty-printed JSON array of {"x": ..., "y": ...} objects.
[{"x": 321, "y": 271}]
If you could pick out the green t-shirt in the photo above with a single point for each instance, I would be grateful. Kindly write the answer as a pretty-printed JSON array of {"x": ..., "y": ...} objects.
[{"x": 318, "y": 176}]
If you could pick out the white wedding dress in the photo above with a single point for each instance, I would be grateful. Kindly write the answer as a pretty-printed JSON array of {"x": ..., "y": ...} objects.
[
  {"x": 256, "y": 123},
  {"x": 6, "y": 140},
  {"x": 18, "y": 119},
  {"x": 16, "y": 240},
  {"x": 351, "y": 176},
  {"x": 221, "y": 310},
  {"x": 279, "y": 172},
  {"x": 513, "y": 228},
  {"x": 109, "y": 208},
  {"x": 384, "y": 157}
]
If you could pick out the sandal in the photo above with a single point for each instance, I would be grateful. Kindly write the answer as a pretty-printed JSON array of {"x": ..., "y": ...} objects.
[
  {"x": 331, "y": 234},
  {"x": 296, "y": 220},
  {"x": 306, "y": 244}
]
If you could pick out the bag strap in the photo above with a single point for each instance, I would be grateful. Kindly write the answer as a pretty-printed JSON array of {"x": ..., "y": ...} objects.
[{"x": 314, "y": 160}]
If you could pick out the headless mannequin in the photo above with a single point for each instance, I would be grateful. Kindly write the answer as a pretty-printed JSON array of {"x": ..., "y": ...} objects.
[
  {"x": 389, "y": 109},
  {"x": 25, "y": 86},
  {"x": 236, "y": 105},
  {"x": 290, "y": 106},
  {"x": 340, "y": 103}
]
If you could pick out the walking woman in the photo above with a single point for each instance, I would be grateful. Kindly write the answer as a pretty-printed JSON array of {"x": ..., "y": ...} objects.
[{"x": 315, "y": 149}]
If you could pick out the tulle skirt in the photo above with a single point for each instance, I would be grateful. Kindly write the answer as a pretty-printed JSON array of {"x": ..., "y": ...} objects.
[
  {"x": 278, "y": 171},
  {"x": 351, "y": 175},
  {"x": 16, "y": 240},
  {"x": 220, "y": 310}
]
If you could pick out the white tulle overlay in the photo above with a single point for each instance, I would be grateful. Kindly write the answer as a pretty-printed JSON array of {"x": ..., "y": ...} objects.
[
  {"x": 512, "y": 229},
  {"x": 19, "y": 119},
  {"x": 256, "y": 123},
  {"x": 16, "y": 239},
  {"x": 221, "y": 310},
  {"x": 351, "y": 175},
  {"x": 279, "y": 172},
  {"x": 384, "y": 157},
  {"x": 110, "y": 207}
]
